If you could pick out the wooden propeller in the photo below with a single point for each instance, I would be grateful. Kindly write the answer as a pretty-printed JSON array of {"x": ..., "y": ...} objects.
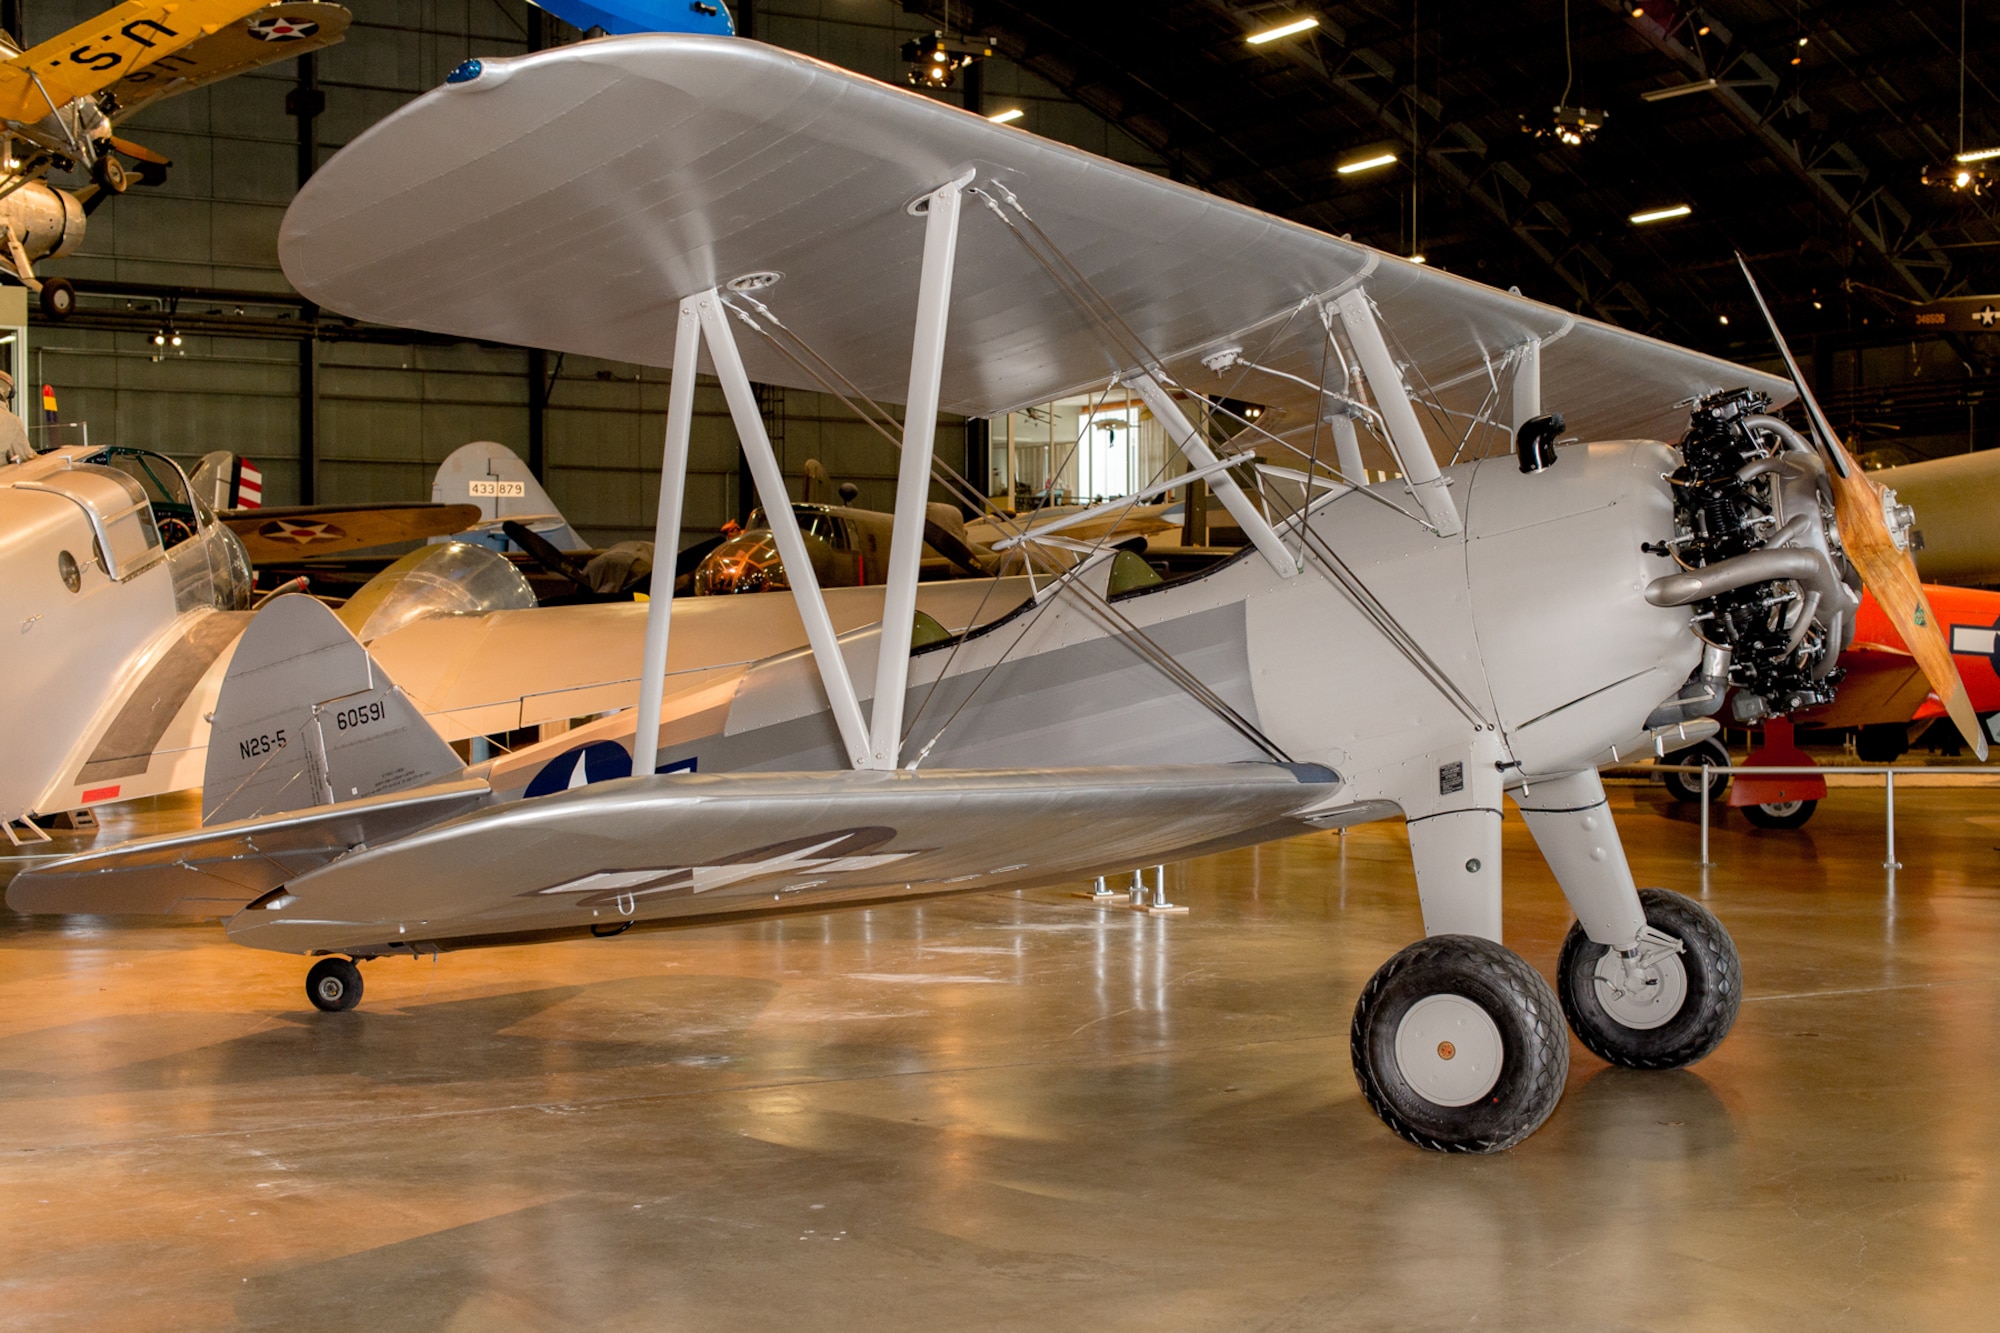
[{"x": 1880, "y": 551}]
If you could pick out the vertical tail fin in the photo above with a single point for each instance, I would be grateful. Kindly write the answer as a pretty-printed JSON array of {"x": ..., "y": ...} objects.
[
  {"x": 305, "y": 718},
  {"x": 493, "y": 477}
]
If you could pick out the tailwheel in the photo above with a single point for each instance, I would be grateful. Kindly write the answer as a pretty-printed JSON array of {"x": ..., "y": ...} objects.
[
  {"x": 1667, "y": 1003},
  {"x": 1780, "y": 814},
  {"x": 334, "y": 985},
  {"x": 1457, "y": 1046}
]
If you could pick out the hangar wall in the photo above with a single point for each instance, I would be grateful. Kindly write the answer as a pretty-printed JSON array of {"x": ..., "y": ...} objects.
[{"x": 387, "y": 411}]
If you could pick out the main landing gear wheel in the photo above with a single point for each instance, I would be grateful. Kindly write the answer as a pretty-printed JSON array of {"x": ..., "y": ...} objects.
[
  {"x": 1457, "y": 1046},
  {"x": 58, "y": 298},
  {"x": 1659, "y": 1009},
  {"x": 1687, "y": 786},
  {"x": 334, "y": 985},
  {"x": 1780, "y": 814}
]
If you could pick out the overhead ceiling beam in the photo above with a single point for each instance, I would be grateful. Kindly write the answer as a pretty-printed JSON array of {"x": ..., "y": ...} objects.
[
  {"x": 1840, "y": 179},
  {"x": 1366, "y": 77}
]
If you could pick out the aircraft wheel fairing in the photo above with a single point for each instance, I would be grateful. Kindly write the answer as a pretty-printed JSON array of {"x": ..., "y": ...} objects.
[
  {"x": 1780, "y": 814},
  {"x": 334, "y": 985},
  {"x": 1456, "y": 1045},
  {"x": 1670, "y": 1010},
  {"x": 1687, "y": 786}
]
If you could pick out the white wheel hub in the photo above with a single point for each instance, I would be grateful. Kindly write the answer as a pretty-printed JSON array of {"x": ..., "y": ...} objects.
[
  {"x": 1782, "y": 809},
  {"x": 1448, "y": 1050},
  {"x": 1644, "y": 993}
]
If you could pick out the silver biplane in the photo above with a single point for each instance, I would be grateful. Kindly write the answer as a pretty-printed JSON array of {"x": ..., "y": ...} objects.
[{"x": 1493, "y": 628}]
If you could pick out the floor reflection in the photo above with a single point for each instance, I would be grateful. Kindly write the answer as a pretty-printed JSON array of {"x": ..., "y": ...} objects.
[{"x": 1023, "y": 1110}]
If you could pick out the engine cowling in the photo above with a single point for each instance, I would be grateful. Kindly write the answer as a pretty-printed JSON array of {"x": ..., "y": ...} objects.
[{"x": 48, "y": 222}]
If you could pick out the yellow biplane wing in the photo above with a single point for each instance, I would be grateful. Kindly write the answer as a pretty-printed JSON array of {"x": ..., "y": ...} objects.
[
  {"x": 273, "y": 33},
  {"x": 94, "y": 55}
]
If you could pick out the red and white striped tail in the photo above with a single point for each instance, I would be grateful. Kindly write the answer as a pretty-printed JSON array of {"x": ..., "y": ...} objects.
[{"x": 249, "y": 485}]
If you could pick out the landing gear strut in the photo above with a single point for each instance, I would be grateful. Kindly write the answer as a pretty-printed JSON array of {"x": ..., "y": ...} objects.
[
  {"x": 334, "y": 985},
  {"x": 1665, "y": 1003},
  {"x": 1457, "y": 1046}
]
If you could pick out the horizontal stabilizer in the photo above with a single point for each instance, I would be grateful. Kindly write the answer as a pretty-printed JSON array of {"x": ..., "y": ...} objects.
[
  {"x": 306, "y": 718},
  {"x": 704, "y": 847},
  {"x": 215, "y": 871}
]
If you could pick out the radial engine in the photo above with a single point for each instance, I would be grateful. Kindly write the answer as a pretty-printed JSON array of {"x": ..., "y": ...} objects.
[{"x": 1772, "y": 593}]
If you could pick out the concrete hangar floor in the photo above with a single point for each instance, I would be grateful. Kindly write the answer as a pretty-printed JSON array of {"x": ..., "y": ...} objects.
[{"x": 1017, "y": 1111}]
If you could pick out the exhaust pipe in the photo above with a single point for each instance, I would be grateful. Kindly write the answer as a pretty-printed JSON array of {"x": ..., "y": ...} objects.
[{"x": 1810, "y": 568}]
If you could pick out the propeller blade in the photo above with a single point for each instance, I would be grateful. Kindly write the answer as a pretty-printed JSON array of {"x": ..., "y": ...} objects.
[
  {"x": 544, "y": 553},
  {"x": 689, "y": 558},
  {"x": 1829, "y": 443},
  {"x": 1887, "y": 568},
  {"x": 952, "y": 549}
]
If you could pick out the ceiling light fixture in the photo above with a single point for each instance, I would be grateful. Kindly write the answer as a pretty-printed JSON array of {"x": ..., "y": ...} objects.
[
  {"x": 1418, "y": 259},
  {"x": 934, "y": 62},
  {"x": 1965, "y": 176},
  {"x": 1282, "y": 30},
  {"x": 1723, "y": 318},
  {"x": 1007, "y": 117},
  {"x": 1660, "y": 214},
  {"x": 1572, "y": 126},
  {"x": 1680, "y": 90},
  {"x": 1369, "y": 163}
]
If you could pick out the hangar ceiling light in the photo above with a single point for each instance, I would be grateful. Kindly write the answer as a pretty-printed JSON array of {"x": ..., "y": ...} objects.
[
  {"x": 1368, "y": 162},
  {"x": 1679, "y": 90},
  {"x": 1007, "y": 117},
  {"x": 1282, "y": 30},
  {"x": 1660, "y": 214}
]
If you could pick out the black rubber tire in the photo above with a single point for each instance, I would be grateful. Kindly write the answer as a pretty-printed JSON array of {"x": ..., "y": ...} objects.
[
  {"x": 1881, "y": 742},
  {"x": 110, "y": 173},
  {"x": 1535, "y": 1051},
  {"x": 334, "y": 985},
  {"x": 1714, "y": 989},
  {"x": 1785, "y": 814},
  {"x": 1687, "y": 786},
  {"x": 58, "y": 298}
]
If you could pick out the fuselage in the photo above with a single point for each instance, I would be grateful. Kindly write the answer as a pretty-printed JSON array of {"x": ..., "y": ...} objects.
[{"x": 1530, "y": 627}]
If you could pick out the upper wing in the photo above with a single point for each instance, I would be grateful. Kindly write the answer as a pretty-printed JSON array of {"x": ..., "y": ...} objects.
[
  {"x": 570, "y": 198},
  {"x": 272, "y": 33},
  {"x": 103, "y": 51}
]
